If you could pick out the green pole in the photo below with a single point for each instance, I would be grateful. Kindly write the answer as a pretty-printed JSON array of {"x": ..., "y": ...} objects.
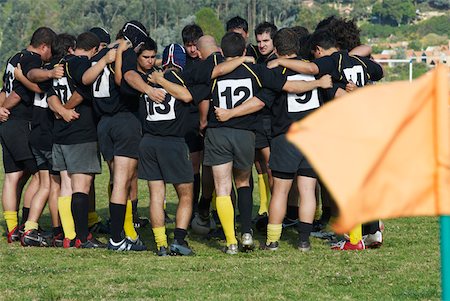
[{"x": 445, "y": 256}]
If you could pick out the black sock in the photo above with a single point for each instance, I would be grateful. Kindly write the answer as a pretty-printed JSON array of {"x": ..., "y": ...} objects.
[
  {"x": 370, "y": 228},
  {"x": 326, "y": 214},
  {"x": 203, "y": 206},
  {"x": 245, "y": 205},
  {"x": 197, "y": 183},
  {"x": 134, "y": 204},
  {"x": 117, "y": 214},
  {"x": 80, "y": 208},
  {"x": 57, "y": 230},
  {"x": 25, "y": 212},
  {"x": 292, "y": 212},
  {"x": 179, "y": 235},
  {"x": 304, "y": 230}
]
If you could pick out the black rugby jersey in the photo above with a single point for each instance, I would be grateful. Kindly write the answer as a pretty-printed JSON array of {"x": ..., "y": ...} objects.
[
  {"x": 83, "y": 129},
  {"x": 235, "y": 88},
  {"x": 290, "y": 107},
  {"x": 168, "y": 118},
  {"x": 42, "y": 123},
  {"x": 105, "y": 93},
  {"x": 344, "y": 67},
  {"x": 28, "y": 60}
]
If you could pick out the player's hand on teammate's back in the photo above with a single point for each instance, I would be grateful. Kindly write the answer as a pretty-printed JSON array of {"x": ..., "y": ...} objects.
[
  {"x": 156, "y": 94},
  {"x": 70, "y": 115},
  {"x": 155, "y": 76},
  {"x": 111, "y": 56},
  {"x": 18, "y": 73},
  {"x": 325, "y": 81},
  {"x": 249, "y": 59},
  {"x": 4, "y": 114},
  {"x": 351, "y": 86},
  {"x": 123, "y": 45},
  {"x": 222, "y": 114},
  {"x": 57, "y": 72},
  {"x": 273, "y": 64}
]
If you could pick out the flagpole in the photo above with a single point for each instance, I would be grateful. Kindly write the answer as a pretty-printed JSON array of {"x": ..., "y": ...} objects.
[{"x": 445, "y": 256}]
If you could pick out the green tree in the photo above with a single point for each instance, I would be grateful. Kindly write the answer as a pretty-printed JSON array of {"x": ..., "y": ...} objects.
[
  {"x": 208, "y": 21},
  {"x": 394, "y": 12}
]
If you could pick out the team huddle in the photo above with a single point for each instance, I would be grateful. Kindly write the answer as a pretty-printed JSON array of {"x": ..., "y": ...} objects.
[{"x": 199, "y": 118}]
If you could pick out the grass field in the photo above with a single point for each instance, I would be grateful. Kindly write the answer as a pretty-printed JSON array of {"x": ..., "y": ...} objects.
[{"x": 406, "y": 267}]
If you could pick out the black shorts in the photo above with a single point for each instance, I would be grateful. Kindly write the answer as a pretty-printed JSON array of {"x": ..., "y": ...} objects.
[
  {"x": 164, "y": 158},
  {"x": 223, "y": 145},
  {"x": 43, "y": 158},
  {"x": 17, "y": 155},
  {"x": 193, "y": 138},
  {"x": 263, "y": 132},
  {"x": 119, "y": 135},
  {"x": 286, "y": 160}
]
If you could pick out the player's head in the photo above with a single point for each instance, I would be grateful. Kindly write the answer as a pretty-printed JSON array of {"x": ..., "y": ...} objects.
[
  {"x": 286, "y": 42},
  {"x": 346, "y": 32},
  {"x": 135, "y": 32},
  {"x": 206, "y": 46},
  {"x": 303, "y": 40},
  {"x": 232, "y": 44},
  {"x": 264, "y": 34},
  {"x": 174, "y": 57},
  {"x": 146, "y": 55},
  {"x": 322, "y": 43},
  {"x": 103, "y": 36},
  {"x": 42, "y": 40},
  {"x": 238, "y": 25},
  {"x": 190, "y": 34},
  {"x": 88, "y": 43},
  {"x": 63, "y": 44}
]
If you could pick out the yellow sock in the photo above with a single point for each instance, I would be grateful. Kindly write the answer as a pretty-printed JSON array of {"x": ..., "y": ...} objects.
[
  {"x": 225, "y": 211},
  {"x": 356, "y": 235},
  {"x": 11, "y": 219},
  {"x": 213, "y": 201},
  {"x": 128, "y": 225},
  {"x": 65, "y": 213},
  {"x": 160, "y": 236},
  {"x": 263, "y": 197},
  {"x": 29, "y": 225},
  {"x": 274, "y": 232},
  {"x": 93, "y": 218}
]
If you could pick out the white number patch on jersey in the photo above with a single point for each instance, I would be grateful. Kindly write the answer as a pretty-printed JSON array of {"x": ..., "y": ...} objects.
[
  {"x": 9, "y": 79},
  {"x": 101, "y": 85},
  {"x": 160, "y": 111},
  {"x": 62, "y": 89},
  {"x": 356, "y": 75},
  {"x": 40, "y": 100},
  {"x": 233, "y": 92},
  {"x": 303, "y": 101}
]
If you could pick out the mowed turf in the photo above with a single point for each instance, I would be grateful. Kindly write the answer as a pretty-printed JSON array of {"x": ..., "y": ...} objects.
[{"x": 406, "y": 267}]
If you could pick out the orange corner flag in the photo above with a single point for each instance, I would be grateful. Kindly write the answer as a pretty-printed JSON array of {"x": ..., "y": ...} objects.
[{"x": 383, "y": 151}]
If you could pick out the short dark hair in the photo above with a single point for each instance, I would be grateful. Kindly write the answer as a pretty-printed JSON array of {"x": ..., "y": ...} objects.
[
  {"x": 303, "y": 41},
  {"x": 323, "y": 38},
  {"x": 266, "y": 27},
  {"x": 87, "y": 40},
  {"x": 42, "y": 35},
  {"x": 232, "y": 44},
  {"x": 345, "y": 31},
  {"x": 237, "y": 22},
  {"x": 191, "y": 33},
  {"x": 286, "y": 42},
  {"x": 300, "y": 31},
  {"x": 62, "y": 44},
  {"x": 149, "y": 44}
]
